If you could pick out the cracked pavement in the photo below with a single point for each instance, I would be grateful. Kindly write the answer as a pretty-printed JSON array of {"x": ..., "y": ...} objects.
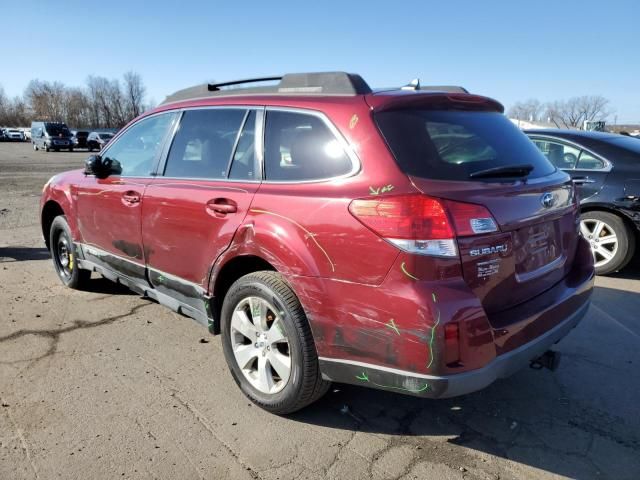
[{"x": 106, "y": 384}]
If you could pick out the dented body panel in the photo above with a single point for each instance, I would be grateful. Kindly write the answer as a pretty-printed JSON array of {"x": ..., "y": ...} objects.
[{"x": 380, "y": 316}]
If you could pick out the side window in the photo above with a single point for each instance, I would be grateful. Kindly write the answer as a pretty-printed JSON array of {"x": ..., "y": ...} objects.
[
  {"x": 137, "y": 149},
  {"x": 244, "y": 166},
  {"x": 561, "y": 155},
  {"x": 589, "y": 162},
  {"x": 300, "y": 146},
  {"x": 202, "y": 146}
]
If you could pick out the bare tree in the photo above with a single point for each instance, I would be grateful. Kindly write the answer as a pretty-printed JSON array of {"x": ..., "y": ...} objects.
[
  {"x": 529, "y": 110},
  {"x": 573, "y": 112},
  {"x": 134, "y": 92}
]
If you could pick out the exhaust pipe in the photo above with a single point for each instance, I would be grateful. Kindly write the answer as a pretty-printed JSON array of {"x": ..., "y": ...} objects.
[{"x": 548, "y": 359}]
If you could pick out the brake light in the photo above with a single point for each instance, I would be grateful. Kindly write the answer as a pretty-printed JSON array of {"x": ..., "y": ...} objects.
[
  {"x": 421, "y": 224},
  {"x": 414, "y": 223}
]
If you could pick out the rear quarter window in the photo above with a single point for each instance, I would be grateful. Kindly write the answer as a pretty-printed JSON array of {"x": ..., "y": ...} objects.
[{"x": 452, "y": 144}]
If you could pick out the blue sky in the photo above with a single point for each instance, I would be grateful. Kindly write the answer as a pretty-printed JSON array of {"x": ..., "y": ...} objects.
[{"x": 510, "y": 50}]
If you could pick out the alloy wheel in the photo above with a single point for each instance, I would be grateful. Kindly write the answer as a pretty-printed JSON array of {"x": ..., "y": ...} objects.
[
  {"x": 602, "y": 239},
  {"x": 260, "y": 345}
]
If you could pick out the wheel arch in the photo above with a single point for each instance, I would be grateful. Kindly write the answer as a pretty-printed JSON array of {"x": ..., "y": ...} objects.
[
  {"x": 225, "y": 275},
  {"x": 50, "y": 211},
  {"x": 598, "y": 207}
]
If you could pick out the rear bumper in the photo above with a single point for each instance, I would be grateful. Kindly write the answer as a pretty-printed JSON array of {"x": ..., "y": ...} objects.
[{"x": 431, "y": 386}]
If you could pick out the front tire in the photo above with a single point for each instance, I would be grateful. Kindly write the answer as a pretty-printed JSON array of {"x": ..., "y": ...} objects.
[
  {"x": 268, "y": 344},
  {"x": 64, "y": 255},
  {"x": 612, "y": 242},
  {"x": 35, "y": 147}
]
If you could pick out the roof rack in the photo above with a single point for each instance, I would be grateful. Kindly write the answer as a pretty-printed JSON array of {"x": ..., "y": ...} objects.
[{"x": 319, "y": 83}]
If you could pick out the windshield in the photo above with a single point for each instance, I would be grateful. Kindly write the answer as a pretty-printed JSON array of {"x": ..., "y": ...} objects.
[
  {"x": 57, "y": 130},
  {"x": 453, "y": 144}
]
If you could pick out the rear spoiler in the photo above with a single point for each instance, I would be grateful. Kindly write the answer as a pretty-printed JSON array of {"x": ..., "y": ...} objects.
[{"x": 434, "y": 100}]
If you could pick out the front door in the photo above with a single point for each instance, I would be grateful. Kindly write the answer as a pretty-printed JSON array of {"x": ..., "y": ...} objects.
[
  {"x": 192, "y": 210},
  {"x": 109, "y": 209}
]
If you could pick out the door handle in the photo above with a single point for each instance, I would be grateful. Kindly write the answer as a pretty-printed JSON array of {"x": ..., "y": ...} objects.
[
  {"x": 131, "y": 198},
  {"x": 583, "y": 180},
  {"x": 222, "y": 206}
]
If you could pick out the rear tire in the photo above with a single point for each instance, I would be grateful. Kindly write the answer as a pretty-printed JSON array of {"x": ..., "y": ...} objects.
[
  {"x": 612, "y": 242},
  {"x": 47, "y": 148},
  {"x": 268, "y": 344},
  {"x": 35, "y": 147},
  {"x": 64, "y": 256}
]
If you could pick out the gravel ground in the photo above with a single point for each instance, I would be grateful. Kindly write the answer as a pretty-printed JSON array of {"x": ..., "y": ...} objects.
[{"x": 106, "y": 384}]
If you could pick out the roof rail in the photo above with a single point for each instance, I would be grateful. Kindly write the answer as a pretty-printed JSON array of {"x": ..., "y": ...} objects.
[
  {"x": 214, "y": 87},
  {"x": 318, "y": 83}
]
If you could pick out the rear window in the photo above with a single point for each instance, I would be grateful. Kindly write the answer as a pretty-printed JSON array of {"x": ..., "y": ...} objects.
[{"x": 451, "y": 145}]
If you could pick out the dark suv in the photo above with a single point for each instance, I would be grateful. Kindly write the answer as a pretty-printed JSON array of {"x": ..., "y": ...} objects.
[{"x": 409, "y": 240}]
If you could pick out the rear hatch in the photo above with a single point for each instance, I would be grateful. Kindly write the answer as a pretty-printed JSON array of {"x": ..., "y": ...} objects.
[{"x": 525, "y": 241}]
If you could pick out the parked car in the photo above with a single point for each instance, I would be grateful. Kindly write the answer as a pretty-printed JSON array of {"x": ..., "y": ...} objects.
[
  {"x": 51, "y": 136},
  {"x": 606, "y": 169},
  {"x": 98, "y": 140},
  {"x": 413, "y": 241},
  {"x": 80, "y": 138},
  {"x": 13, "y": 135},
  {"x": 27, "y": 133}
]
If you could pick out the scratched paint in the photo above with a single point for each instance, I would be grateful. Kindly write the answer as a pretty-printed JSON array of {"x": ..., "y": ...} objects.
[
  {"x": 354, "y": 121},
  {"x": 365, "y": 378},
  {"x": 308, "y": 234},
  {"x": 404, "y": 270},
  {"x": 392, "y": 325},
  {"x": 380, "y": 190}
]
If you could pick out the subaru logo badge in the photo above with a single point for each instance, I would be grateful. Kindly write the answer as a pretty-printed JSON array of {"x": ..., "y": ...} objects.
[{"x": 547, "y": 200}]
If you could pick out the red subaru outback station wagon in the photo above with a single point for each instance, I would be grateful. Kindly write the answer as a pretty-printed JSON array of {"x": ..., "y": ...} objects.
[{"x": 411, "y": 240}]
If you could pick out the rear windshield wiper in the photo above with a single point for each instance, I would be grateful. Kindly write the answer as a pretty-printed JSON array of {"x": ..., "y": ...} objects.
[{"x": 506, "y": 171}]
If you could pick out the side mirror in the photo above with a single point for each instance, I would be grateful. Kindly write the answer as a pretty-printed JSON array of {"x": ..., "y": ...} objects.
[
  {"x": 101, "y": 167},
  {"x": 93, "y": 166}
]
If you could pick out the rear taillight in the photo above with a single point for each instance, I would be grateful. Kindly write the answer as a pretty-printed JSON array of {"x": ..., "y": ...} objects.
[
  {"x": 421, "y": 224},
  {"x": 471, "y": 219}
]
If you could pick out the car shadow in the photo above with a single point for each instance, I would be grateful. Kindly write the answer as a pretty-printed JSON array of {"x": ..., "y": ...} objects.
[
  {"x": 553, "y": 421},
  {"x": 630, "y": 272},
  {"x": 21, "y": 254},
  {"x": 105, "y": 286}
]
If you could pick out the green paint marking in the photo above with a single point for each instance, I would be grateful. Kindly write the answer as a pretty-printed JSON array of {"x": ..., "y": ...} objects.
[
  {"x": 392, "y": 325},
  {"x": 433, "y": 295},
  {"x": 404, "y": 270},
  {"x": 161, "y": 279},
  {"x": 387, "y": 188},
  {"x": 374, "y": 191},
  {"x": 412, "y": 390},
  {"x": 363, "y": 376},
  {"x": 433, "y": 334}
]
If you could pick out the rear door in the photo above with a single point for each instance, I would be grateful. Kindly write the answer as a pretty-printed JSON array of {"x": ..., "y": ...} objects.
[
  {"x": 194, "y": 207},
  {"x": 535, "y": 242},
  {"x": 109, "y": 209},
  {"x": 587, "y": 169}
]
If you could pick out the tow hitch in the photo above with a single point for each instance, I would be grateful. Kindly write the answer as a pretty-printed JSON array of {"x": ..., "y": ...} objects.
[{"x": 548, "y": 359}]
